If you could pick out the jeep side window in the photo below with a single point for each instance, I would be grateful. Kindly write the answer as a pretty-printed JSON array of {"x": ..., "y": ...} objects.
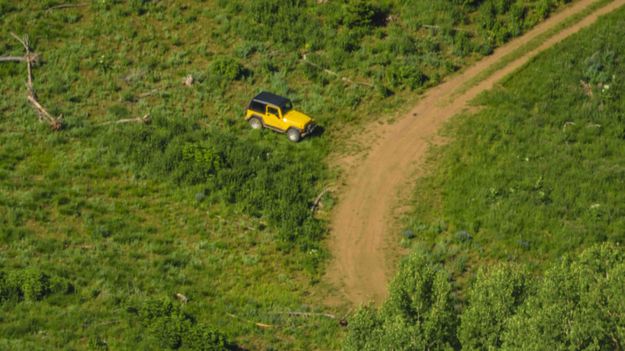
[
  {"x": 274, "y": 111},
  {"x": 257, "y": 106}
]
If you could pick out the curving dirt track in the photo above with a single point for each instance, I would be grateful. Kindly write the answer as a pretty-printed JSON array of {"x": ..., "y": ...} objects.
[{"x": 360, "y": 224}]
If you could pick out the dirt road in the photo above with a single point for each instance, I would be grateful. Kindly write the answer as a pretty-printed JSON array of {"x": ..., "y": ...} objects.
[{"x": 360, "y": 236}]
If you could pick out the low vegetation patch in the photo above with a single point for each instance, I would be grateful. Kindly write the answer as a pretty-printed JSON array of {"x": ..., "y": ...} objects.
[{"x": 30, "y": 285}]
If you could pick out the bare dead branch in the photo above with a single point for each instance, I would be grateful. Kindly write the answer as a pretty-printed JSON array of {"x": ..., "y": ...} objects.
[
  {"x": 149, "y": 93},
  {"x": 13, "y": 59},
  {"x": 66, "y": 6},
  {"x": 260, "y": 325},
  {"x": 456, "y": 29},
  {"x": 306, "y": 314},
  {"x": 23, "y": 41},
  {"x": 566, "y": 124},
  {"x": 56, "y": 123},
  {"x": 345, "y": 79},
  {"x": 587, "y": 87},
  {"x": 318, "y": 200},
  {"x": 144, "y": 120}
]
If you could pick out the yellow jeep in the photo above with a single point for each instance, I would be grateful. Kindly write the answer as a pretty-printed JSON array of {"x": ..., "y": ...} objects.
[{"x": 272, "y": 111}]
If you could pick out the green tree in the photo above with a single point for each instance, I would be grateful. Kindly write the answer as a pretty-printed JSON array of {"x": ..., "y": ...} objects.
[
  {"x": 579, "y": 305},
  {"x": 492, "y": 299},
  {"x": 418, "y": 315}
]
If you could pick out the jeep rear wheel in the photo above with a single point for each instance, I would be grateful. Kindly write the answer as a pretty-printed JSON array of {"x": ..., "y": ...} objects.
[
  {"x": 293, "y": 135},
  {"x": 255, "y": 123}
]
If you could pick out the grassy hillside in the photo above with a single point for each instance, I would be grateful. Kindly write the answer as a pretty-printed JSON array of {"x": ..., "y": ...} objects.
[
  {"x": 536, "y": 173},
  {"x": 101, "y": 225},
  {"x": 518, "y": 229}
]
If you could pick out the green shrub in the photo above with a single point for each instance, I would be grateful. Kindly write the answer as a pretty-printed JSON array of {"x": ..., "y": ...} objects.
[
  {"x": 200, "y": 338},
  {"x": 405, "y": 75},
  {"x": 363, "y": 13},
  {"x": 30, "y": 285},
  {"x": 227, "y": 69},
  {"x": 175, "y": 329}
]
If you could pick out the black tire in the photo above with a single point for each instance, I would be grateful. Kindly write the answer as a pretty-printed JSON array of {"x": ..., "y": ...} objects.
[
  {"x": 294, "y": 135},
  {"x": 255, "y": 123}
]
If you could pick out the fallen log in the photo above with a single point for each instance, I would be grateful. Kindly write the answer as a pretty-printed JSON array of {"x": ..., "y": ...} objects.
[
  {"x": 258, "y": 324},
  {"x": 345, "y": 79},
  {"x": 66, "y": 6},
  {"x": 13, "y": 59},
  {"x": 56, "y": 123},
  {"x": 145, "y": 120},
  {"x": 318, "y": 200},
  {"x": 306, "y": 314}
]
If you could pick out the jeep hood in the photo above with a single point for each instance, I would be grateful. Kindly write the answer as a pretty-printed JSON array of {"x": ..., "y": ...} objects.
[{"x": 297, "y": 118}]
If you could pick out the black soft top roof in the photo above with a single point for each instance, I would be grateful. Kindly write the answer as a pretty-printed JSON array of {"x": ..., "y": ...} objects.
[{"x": 273, "y": 99}]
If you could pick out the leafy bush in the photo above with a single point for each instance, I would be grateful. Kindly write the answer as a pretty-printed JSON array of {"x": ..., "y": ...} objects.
[
  {"x": 30, "y": 285},
  {"x": 600, "y": 67},
  {"x": 405, "y": 75},
  {"x": 226, "y": 69},
  {"x": 175, "y": 329},
  {"x": 363, "y": 13}
]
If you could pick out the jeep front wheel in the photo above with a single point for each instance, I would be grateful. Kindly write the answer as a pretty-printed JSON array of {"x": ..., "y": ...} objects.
[
  {"x": 255, "y": 123},
  {"x": 293, "y": 135}
]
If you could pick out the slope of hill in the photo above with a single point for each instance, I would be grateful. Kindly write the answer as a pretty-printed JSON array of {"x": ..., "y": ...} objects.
[
  {"x": 519, "y": 228},
  {"x": 167, "y": 235},
  {"x": 534, "y": 174}
]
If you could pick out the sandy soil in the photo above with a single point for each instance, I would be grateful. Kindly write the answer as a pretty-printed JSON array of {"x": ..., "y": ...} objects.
[{"x": 361, "y": 240}]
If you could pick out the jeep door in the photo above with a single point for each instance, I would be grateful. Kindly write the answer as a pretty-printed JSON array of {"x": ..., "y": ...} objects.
[{"x": 273, "y": 118}]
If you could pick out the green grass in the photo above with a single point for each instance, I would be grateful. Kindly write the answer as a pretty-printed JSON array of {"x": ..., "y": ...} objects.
[
  {"x": 529, "y": 46},
  {"x": 536, "y": 173},
  {"x": 195, "y": 203},
  {"x": 517, "y": 231}
]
